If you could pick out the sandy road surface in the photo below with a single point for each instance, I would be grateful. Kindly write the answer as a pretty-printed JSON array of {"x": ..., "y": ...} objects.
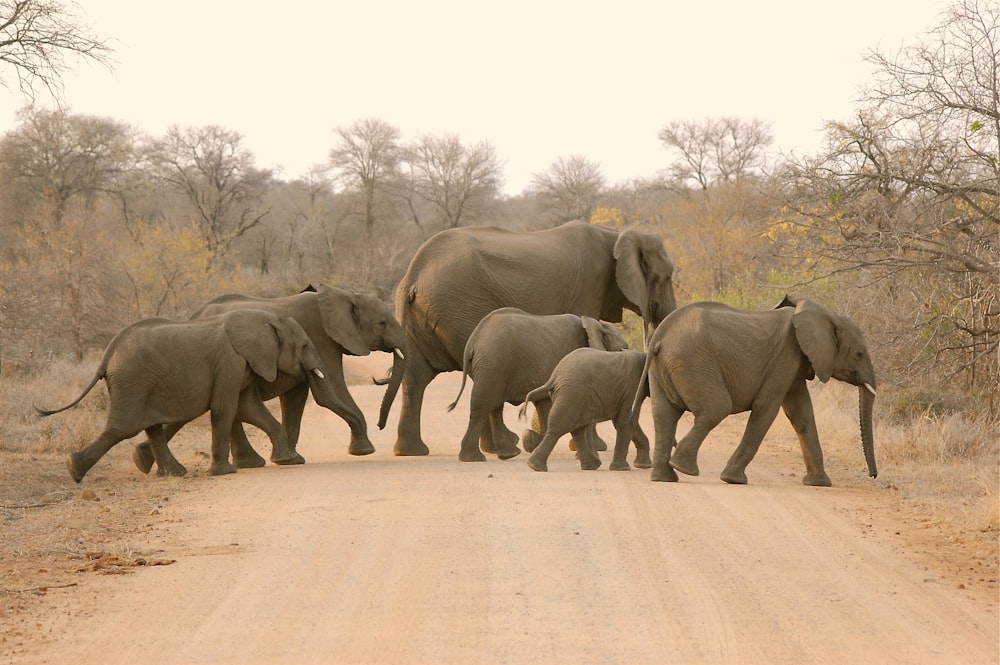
[{"x": 429, "y": 560}]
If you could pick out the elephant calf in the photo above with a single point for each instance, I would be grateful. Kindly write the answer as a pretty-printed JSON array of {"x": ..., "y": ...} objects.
[
  {"x": 589, "y": 386},
  {"x": 161, "y": 372},
  {"x": 509, "y": 353}
]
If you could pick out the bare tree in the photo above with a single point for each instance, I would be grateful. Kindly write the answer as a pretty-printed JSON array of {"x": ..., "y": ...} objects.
[
  {"x": 459, "y": 180},
  {"x": 366, "y": 157},
  {"x": 212, "y": 169},
  {"x": 716, "y": 149},
  {"x": 570, "y": 188},
  {"x": 36, "y": 37},
  {"x": 56, "y": 158},
  {"x": 908, "y": 192}
]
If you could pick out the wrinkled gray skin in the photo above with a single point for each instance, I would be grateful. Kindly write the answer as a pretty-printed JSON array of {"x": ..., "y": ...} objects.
[
  {"x": 714, "y": 360},
  {"x": 587, "y": 387},
  {"x": 460, "y": 275},
  {"x": 338, "y": 322},
  {"x": 509, "y": 353},
  {"x": 160, "y": 372}
]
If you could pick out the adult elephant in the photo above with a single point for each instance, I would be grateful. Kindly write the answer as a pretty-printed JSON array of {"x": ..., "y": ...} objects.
[
  {"x": 460, "y": 275},
  {"x": 338, "y": 322},
  {"x": 509, "y": 353},
  {"x": 714, "y": 360},
  {"x": 160, "y": 372}
]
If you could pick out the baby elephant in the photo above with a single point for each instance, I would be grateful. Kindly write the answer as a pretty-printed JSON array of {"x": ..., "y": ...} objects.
[
  {"x": 587, "y": 387},
  {"x": 509, "y": 353},
  {"x": 160, "y": 372}
]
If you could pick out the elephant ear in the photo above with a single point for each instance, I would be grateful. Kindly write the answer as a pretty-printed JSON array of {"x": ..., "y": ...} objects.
[
  {"x": 629, "y": 272},
  {"x": 595, "y": 333},
  {"x": 337, "y": 310},
  {"x": 816, "y": 332},
  {"x": 254, "y": 335}
]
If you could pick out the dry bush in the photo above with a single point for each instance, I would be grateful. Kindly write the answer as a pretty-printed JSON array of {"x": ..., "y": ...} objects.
[{"x": 58, "y": 383}]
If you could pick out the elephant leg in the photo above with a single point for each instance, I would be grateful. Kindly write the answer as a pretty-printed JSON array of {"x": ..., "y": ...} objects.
[
  {"x": 142, "y": 453},
  {"x": 627, "y": 432},
  {"x": 798, "y": 407},
  {"x": 595, "y": 439},
  {"x": 504, "y": 441},
  {"x": 759, "y": 422},
  {"x": 166, "y": 463},
  {"x": 556, "y": 426},
  {"x": 293, "y": 405},
  {"x": 712, "y": 410},
  {"x": 244, "y": 455},
  {"x": 251, "y": 409},
  {"x": 478, "y": 427},
  {"x": 409, "y": 440},
  {"x": 539, "y": 423},
  {"x": 589, "y": 461},
  {"x": 80, "y": 462},
  {"x": 665, "y": 417}
]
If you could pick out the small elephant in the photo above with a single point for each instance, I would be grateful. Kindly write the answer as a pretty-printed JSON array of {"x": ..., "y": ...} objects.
[
  {"x": 338, "y": 322},
  {"x": 458, "y": 276},
  {"x": 509, "y": 353},
  {"x": 160, "y": 372},
  {"x": 589, "y": 386},
  {"x": 714, "y": 360}
]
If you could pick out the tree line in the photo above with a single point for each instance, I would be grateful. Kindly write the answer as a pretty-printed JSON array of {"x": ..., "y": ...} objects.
[{"x": 894, "y": 219}]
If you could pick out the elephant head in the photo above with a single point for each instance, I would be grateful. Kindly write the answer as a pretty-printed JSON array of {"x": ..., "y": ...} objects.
[
  {"x": 359, "y": 322},
  {"x": 272, "y": 344},
  {"x": 644, "y": 273},
  {"x": 836, "y": 347}
]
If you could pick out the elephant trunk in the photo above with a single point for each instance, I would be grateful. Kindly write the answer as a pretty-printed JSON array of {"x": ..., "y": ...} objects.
[
  {"x": 395, "y": 379},
  {"x": 866, "y": 402}
]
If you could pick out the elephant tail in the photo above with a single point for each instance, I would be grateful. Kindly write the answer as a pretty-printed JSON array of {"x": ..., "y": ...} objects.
[
  {"x": 642, "y": 390},
  {"x": 93, "y": 382},
  {"x": 466, "y": 361},
  {"x": 541, "y": 392}
]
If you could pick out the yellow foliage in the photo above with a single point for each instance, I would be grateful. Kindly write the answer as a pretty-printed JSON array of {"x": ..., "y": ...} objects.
[{"x": 604, "y": 216}]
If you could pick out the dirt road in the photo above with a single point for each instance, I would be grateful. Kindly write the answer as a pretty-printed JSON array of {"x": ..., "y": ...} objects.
[{"x": 429, "y": 560}]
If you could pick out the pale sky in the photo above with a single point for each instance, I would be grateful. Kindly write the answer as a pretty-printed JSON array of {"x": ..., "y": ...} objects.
[{"x": 538, "y": 79}]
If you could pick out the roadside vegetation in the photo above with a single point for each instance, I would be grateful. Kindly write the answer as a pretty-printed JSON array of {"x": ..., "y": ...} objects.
[{"x": 894, "y": 221}]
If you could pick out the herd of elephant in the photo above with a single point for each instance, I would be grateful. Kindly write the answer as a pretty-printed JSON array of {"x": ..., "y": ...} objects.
[{"x": 527, "y": 315}]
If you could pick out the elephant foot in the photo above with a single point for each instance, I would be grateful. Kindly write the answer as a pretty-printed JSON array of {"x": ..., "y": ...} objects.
[
  {"x": 360, "y": 446},
  {"x": 486, "y": 445},
  {"x": 817, "y": 480},
  {"x": 590, "y": 465},
  {"x": 142, "y": 456},
  {"x": 249, "y": 460},
  {"x": 620, "y": 466},
  {"x": 600, "y": 445},
  {"x": 537, "y": 465},
  {"x": 686, "y": 464},
  {"x": 529, "y": 440},
  {"x": 408, "y": 448},
  {"x": 509, "y": 454},
  {"x": 174, "y": 469},
  {"x": 663, "y": 475},
  {"x": 288, "y": 461},
  {"x": 734, "y": 476},
  {"x": 76, "y": 470},
  {"x": 471, "y": 456},
  {"x": 221, "y": 468},
  {"x": 642, "y": 460}
]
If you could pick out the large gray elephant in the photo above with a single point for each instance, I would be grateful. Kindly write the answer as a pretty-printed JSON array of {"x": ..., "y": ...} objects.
[
  {"x": 460, "y": 275},
  {"x": 586, "y": 387},
  {"x": 338, "y": 322},
  {"x": 714, "y": 360},
  {"x": 510, "y": 352},
  {"x": 160, "y": 372}
]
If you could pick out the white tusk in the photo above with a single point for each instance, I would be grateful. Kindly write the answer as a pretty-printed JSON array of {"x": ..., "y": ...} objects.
[
  {"x": 399, "y": 353},
  {"x": 870, "y": 389},
  {"x": 319, "y": 373}
]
